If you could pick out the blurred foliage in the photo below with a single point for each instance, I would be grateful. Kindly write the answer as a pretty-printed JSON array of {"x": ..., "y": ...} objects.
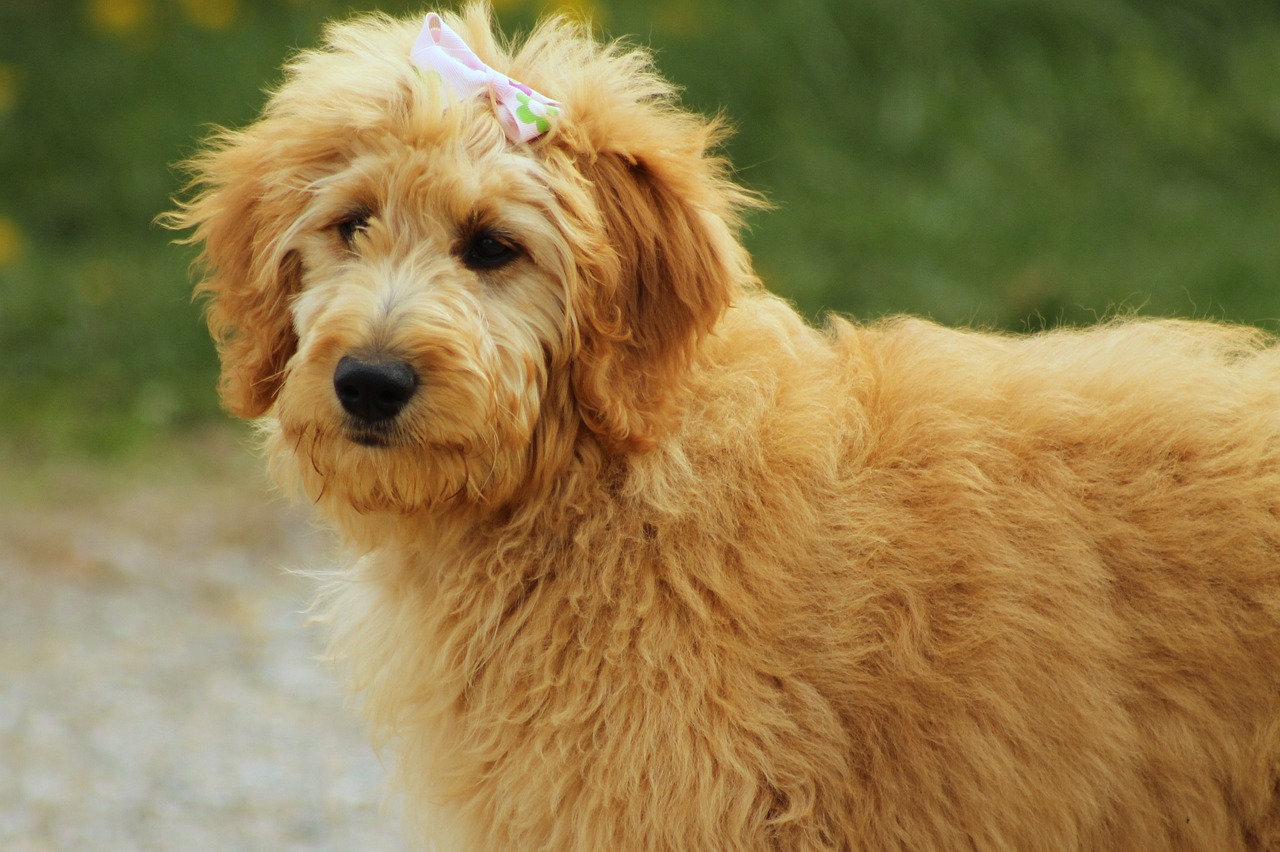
[{"x": 1017, "y": 163}]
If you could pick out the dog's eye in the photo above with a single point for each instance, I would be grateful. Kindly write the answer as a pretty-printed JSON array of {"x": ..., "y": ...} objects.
[
  {"x": 486, "y": 250},
  {"x": 352, "y": 224}
]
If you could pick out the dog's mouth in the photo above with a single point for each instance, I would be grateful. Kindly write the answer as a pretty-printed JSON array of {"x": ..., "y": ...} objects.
[
  {"x": 369, "y": 439},
  {"x": 372, "y": 435}
]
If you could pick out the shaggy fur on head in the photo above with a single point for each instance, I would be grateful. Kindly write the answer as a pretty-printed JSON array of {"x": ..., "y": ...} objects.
[{"x": 646, "y": 562}]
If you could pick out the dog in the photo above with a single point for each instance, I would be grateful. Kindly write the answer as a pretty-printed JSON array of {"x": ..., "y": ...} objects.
[{"x": 642, "y": 560}]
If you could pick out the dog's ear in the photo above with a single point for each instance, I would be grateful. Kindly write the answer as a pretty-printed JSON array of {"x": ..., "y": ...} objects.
[
  {"x": 670, "y": 263},
  {"x": 240, "y": 216},
  {"x": 654, "y": 216},
  {"x": 660, "y": 284}
]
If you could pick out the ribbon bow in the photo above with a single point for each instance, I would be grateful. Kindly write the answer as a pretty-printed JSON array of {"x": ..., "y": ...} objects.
[{"x": 523, "y": 113}]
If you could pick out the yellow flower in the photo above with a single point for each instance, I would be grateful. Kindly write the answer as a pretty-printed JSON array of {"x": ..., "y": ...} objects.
[
  {"x": 117, "y": 17},
  {"x": 8, "y": 87},
  {"x": 216, "y": 15},
  {"x": 10, "y": 241}
]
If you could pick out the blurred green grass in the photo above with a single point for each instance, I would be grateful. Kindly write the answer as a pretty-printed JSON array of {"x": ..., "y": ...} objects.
[{"x": 1012, "y": 163}]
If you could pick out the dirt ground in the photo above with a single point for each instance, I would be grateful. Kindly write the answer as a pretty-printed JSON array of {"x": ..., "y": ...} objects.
[{"x": 159, "y": 685}]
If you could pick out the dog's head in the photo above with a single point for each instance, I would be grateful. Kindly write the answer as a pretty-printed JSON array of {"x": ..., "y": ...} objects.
[{"x": 429, "y": 311}]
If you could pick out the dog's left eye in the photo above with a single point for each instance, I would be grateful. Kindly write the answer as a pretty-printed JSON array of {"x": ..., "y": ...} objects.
[
  {"x": 485, "y": 250},
  {"x": 351, "y": 225}
]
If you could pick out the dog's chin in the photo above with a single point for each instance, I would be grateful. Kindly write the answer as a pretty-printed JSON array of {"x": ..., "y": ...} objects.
[{"x": 383, "y": 470}]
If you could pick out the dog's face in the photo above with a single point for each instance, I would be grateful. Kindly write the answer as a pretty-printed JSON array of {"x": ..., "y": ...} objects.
[
  {"x": 432, "y": 309},
  {"x": 430, "y": 313}
]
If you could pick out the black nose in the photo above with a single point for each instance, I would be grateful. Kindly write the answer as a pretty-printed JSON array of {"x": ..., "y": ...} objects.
[{"x": 374, "y": 391}]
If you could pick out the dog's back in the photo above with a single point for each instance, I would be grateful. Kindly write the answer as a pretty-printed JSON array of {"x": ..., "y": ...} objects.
[{"x": 1040, "y": 576}]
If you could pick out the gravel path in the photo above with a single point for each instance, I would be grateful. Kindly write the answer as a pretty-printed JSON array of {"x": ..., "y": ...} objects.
[{"x": 159, "y": 687}]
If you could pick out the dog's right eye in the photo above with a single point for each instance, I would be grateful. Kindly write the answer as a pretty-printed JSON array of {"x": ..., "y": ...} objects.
[
  {"x": 351, "y": 225},
  {"x": 488, "y": 250}
]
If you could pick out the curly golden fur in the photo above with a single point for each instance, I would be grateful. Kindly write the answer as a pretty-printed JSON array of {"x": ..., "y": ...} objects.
[{"x": 646, "y": 562}]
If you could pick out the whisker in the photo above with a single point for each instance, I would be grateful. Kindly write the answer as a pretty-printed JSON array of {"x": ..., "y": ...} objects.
[{"x": 493, "y": 459}]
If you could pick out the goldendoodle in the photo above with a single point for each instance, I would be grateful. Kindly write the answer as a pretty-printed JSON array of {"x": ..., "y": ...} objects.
[{"x": 645, "y": 562}]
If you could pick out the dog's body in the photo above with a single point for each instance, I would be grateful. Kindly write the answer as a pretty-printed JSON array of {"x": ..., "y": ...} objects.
[{"x": 649, "y": 563}]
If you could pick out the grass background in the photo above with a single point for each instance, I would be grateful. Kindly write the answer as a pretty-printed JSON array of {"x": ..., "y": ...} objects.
[{"x": 1011, "y": 163}]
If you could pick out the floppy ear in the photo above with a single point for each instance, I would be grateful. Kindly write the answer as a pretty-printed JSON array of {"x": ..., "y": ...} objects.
[
  {"x": 652, "y": 214},
  {"x": 671, "y": 267},
  {"x": 240, "y": 218}
]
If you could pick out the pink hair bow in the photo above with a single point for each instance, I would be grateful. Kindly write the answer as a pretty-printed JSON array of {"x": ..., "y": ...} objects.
[{"x": 523, "y": 113}]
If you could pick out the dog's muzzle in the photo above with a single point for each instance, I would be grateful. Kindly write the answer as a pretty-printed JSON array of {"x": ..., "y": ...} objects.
[{"x": 374, "y": 392}]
